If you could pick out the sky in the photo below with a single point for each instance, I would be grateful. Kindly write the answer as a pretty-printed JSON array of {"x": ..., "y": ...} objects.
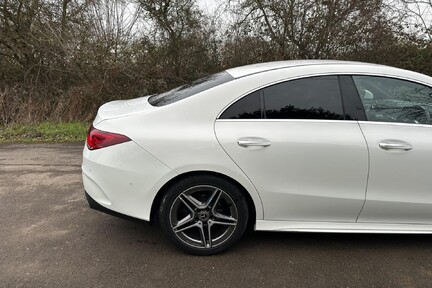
[{"x": 209, "y": 5}]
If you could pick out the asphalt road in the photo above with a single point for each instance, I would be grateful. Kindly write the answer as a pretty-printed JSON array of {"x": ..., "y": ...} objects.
[{"x": 50, "y": 238}]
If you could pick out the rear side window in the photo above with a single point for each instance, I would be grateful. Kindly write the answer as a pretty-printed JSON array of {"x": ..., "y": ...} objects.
[
  {"x": 190, "y": 89},
  {"x": 248, "y": 107},
  {"x": 307, "y": 98}
]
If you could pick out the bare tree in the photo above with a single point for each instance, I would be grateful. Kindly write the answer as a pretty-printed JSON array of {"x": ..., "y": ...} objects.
[
  {"x": 180, "y": 31},
  {"x": 309, "y": 28},
  {"x": 418, "y": 16}
]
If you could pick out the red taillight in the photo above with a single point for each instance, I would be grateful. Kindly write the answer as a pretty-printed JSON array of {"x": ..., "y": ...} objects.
[{"x": 99, "y": 139}]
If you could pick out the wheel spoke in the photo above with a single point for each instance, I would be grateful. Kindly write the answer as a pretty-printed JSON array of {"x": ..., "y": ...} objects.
[
  {"x": 203, "y": 236},
  {"x": 209, "y": 224},
  {"x": 224, "y": 220},
  {"x": 183, "y": 227},
  {"x": 191, "y": 202},
  {"x": 182, "y": 223},
  {"x": 226, "y": 223},
  {"x": 214, "y": 198}
]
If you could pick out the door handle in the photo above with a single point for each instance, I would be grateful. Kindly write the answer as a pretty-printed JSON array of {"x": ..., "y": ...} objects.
[
  {"x": 253, "y": 141},
  {"x": 395, "y": 145}
]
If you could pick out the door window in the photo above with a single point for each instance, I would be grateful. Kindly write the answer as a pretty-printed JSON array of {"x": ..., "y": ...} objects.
[
  {"x": 394, "y": 100},
  {"x": 308, "y": 98}
]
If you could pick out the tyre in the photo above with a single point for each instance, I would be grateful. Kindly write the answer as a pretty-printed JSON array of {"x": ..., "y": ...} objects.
[{"x": 203, "y": 215}]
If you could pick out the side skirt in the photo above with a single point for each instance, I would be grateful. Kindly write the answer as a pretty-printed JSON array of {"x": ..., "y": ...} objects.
[{"x": 340, "y": 227}]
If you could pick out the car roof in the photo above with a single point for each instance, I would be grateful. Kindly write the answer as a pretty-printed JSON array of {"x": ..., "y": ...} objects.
[{"x": 242, "y": 71}]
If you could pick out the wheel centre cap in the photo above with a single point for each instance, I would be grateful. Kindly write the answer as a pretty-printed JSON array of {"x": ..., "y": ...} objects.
[{"x": 203, "y": 215}]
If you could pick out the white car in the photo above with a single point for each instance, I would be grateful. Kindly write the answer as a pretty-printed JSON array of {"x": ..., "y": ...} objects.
[{"x": 317, "y": 146}]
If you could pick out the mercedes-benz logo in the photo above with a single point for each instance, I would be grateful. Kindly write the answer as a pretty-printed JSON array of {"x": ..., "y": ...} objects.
[{"x": 203, "y": 215}]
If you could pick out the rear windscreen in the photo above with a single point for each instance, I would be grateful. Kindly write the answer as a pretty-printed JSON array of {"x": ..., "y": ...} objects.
[{"x": 190, "y": 89}]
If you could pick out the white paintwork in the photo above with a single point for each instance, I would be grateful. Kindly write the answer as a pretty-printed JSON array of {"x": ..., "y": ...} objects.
[
  {"x": 181, "y": 137},
  {"x": 123, "y": 108}
]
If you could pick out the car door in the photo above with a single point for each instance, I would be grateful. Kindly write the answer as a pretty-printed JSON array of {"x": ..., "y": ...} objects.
[
  {"x": 399, "y": 135},
  {"x": 307, "y": 160}
]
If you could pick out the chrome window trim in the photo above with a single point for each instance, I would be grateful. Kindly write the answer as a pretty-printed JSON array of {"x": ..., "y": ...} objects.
[
  {"x": 326, "y": 121},
  {"x": 286, "y": 120},
  {"x": 395, "y": 124},
  {"x": 270, "y": 84}
]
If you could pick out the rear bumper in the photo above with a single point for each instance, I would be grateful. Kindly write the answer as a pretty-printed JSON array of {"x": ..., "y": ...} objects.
[
  {"x": 123, "y": 178},
  {"x": 96, "y": 206}
]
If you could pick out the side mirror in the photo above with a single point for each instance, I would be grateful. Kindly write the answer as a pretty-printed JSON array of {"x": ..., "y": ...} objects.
[{"x": 367, "y": 95}]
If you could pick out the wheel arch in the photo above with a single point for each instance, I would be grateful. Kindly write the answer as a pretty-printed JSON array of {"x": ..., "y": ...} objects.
[{"x": 158, "y": 198}]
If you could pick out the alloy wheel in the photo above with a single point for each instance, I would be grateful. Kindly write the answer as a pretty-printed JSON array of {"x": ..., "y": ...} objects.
[{"x": 203, "y": 216}]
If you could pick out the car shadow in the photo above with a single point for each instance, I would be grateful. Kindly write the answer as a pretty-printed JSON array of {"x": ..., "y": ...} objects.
[{"x": 151, "y": 234}]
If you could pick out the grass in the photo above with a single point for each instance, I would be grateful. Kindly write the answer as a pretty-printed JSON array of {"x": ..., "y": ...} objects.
[{"x": 43, "y": 132}]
